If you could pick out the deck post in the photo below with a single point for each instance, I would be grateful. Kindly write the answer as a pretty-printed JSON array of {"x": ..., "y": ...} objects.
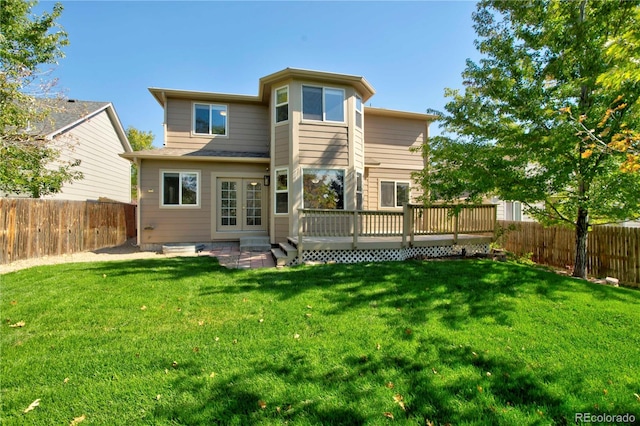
[
  {"x": 300, "y": 232},
  {"x": 455, "y": 227},
  {"x": 356, "y": 229},
  {"x": 406, "y": 213}
]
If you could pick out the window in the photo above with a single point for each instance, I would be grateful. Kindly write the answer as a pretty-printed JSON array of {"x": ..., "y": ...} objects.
[
  {"x": 282, "y": 104},
  {"x": 359, "y": 197},
  {"x": 393, "y": 194},
  {"x": 322, "y": 104},
  {"x": 358, "y": 112},
  {"x": 210, "y": 119},
  {"x": 180, "y": 188},
  {"x": 323, "y": 189},
  {"x": 282, "y": 191}
]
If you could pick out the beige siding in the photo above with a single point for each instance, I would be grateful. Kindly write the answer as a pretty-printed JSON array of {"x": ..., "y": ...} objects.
[
  {"x": 323, "y": 145},
  {"x": 372, "y": 185},
  {"x": 248, "y": 128},
  {"x": 388, "y": 140},
  {"x": 96, "y": 144},
  {"x": 282, "y": 145},
  {"x": 181, "y": 224},
  {"x": 358, "y": 146},
  {"x": 281, "y": 231}
]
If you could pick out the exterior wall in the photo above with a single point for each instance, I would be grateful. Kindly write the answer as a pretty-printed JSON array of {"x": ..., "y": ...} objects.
[
  {"x": 248, "y": 128},
  {"x": 185, "y": 224},
  {"x": 97, "y": 145},
  {"x": 387, "y": 141},
  {"x": 282, "y": 145},
  {"x": 358, "y": 148},
  {"x": 323, "y": 145},
  {"x": 281, "y": 229}
]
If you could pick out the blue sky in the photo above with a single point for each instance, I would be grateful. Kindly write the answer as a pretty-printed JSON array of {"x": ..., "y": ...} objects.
[{"x": 409, "y": 51}]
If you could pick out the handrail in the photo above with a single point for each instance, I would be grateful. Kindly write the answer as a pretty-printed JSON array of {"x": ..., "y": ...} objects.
[{"x": 412, "y": 220}]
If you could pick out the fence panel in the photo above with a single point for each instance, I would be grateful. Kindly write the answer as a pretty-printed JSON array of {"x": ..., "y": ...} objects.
[
  {"x": 611, "y": 250},
  {"x": 35, "y": 228}
]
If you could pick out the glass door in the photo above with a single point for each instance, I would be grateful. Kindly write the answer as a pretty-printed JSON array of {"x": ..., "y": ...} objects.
[{"x": 240, "y": 205}]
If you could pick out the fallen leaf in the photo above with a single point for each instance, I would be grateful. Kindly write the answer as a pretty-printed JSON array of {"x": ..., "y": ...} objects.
[
  {"x": 428, "y": 422},
  {"x": 244, "y": 299},
  {"x": 307, "y": 315},
  {"x": 296, "y": 336},
  {"x": 32, "y": 406},
  {"x": 540, "y": 413},
  {"x": 158, "y": 396},
  {"x": 637, "y": 396},
  {"x": 143, "y": 308},
  {"x": 378, "y": 347},
  {"x": 179, "y": 309},
  {"x": 196, "y": 349},
  {"x": 77, "y": 420},
  {"x": 174, "y": 364},
  {"x": 388, "y": 415},
  {"x": 66, "y": 380},
  {"x": 104, "y": 275},
  {"x": 488, "y": 374},
  {"x": 18, "y": 324},
  {"x": 235, "y": 341},
  {"x": 166, "y": 371},
  {"x": 390, "y": 385},
  {"x": 604, "y": 391},
  {"x": 399, "y": 400},
  {"x": 474, "y": 354},
  {"x": 262, "y": 404},
  {"x": 261, "y": 320},
  {"x": 212, "y": 375},
  {"x": 309, "y": 307},
  {"x": 14, "y": 302},
  {"x": 200, "y": 322},
  {"x": 216, "y": 339},
  {"x": 480, "y": 389},
  {"x": 434, "y": 371}
]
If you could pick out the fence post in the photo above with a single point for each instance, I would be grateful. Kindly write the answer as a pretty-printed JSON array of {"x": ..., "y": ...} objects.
[
  {"x": 356, "y": 229},
  {"x": 300, "y": 232}
]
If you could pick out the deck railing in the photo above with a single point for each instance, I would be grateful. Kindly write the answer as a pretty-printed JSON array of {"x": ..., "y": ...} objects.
[{"x": 412, "y": 220}]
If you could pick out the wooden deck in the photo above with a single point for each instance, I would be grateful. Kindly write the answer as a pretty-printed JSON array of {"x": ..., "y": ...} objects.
[{"x": 390, "y": 242}]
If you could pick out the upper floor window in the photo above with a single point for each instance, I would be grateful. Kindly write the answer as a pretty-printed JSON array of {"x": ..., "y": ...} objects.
[
  {"x": 322, "y": 104},
  {"x": 358, "y": 112},
  {"x": 180, "y": 188},
  {"x": 282, "y": 104},
  {"x": 210, "y": 119},
  {"x": 393, "y": 194}
]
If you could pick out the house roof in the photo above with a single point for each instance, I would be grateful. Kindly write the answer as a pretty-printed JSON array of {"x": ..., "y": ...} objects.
[
  {"x": 65, "y": 114},
  {"x": 400, "y": 114},
  {"x": 264, "y": 90},
  {"x": 197, "y": 155}
]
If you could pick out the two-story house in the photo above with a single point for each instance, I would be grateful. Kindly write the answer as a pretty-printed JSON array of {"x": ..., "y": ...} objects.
[{"x": 236, "y": 165}]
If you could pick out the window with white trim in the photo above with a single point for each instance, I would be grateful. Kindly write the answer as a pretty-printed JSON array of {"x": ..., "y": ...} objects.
[
  {"x": 282, "y": 191},
  {"x": 282, "y": 104},
  {"x": 322, "y": 104},
  {"x": 358, "y": 112},
  {"x": 210, "y": 119},
  {"x": 180, "y": 188},
  {"x": 323, "y": 189},
  {"x": 393, "y": 194}
]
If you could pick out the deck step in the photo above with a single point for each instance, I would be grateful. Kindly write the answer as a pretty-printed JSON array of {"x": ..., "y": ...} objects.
[
  {"x": 261, "y": 244},
  {"x": 288, "y": 249},
  {"x": 280, "y": 257}
]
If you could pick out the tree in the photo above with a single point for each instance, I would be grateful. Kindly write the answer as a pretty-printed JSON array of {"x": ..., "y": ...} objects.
[
  {"x": 509, "y": 132},
  {"x": 139, "y": 140},
  {"x": 31, "y": 164}
]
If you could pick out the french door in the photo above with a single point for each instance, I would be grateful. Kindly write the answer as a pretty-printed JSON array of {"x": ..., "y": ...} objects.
[{"x": 241, "y": 205}]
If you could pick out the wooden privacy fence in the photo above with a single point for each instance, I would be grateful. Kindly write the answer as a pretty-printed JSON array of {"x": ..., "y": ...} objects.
[
  {"x": 34, "y": 228},
  {"x": 611, "y": 250}
]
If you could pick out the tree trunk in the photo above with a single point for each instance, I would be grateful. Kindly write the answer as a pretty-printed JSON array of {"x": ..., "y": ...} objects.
[{"x": 582, "y": 230}]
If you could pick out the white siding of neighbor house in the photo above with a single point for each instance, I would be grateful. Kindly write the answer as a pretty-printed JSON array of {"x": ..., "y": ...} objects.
[
  {"x": 248, "y": 127},
  {"x": 96, "y": 144}
]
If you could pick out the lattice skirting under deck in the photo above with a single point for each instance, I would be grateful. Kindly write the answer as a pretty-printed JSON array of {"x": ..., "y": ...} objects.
[{"x": 381, "y": 255}]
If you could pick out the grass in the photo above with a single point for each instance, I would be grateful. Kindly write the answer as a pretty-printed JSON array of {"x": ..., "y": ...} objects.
[{"x": 185, "y": 341}]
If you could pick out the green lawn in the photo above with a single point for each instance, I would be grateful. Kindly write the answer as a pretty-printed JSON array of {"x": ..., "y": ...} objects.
[{"x": 185, "y": 341}]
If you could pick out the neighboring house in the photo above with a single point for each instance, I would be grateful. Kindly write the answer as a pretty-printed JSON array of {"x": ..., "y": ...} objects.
[
  {"x": 510, "y": 210},
  {"x": 92, "y": 133},
  {"x": 238, "y": 165}
]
